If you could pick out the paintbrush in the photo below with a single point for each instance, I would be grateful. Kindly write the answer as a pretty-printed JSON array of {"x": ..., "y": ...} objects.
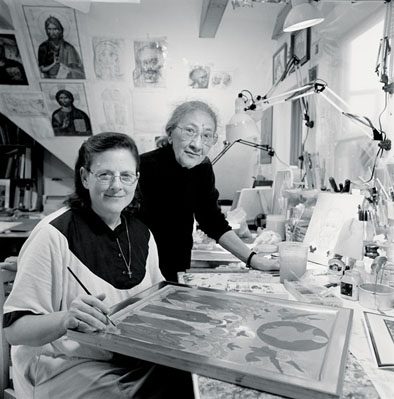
[{"x": 87, "y": 291}]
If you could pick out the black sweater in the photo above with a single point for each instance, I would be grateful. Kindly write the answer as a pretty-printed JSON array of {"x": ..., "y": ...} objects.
[{"x": 171, "y": 196}]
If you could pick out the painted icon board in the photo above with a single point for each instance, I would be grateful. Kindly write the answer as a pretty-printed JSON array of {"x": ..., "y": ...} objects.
[{"x": 284, "y": 347}]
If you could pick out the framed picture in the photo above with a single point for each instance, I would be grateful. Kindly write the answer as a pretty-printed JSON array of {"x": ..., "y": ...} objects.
[
  {"x": 4, "y": 193},
  {"x": 300, "y": 45},
  {"x": 380, "y": 332},
  {"x": 266, "y": 134},
  {"x": 284, "y": 347},
  {"x": 279, "y": 61}
]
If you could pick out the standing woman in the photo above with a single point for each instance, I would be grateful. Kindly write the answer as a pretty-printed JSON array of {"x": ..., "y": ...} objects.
[
  {"x": 177, "y": 185},
  {"x": 113, "y": 254}
]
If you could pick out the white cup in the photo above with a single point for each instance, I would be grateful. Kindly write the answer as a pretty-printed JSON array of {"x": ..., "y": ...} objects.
[
  {"x": 276, "y": 223},
  {"x": 293, "y": 257}
]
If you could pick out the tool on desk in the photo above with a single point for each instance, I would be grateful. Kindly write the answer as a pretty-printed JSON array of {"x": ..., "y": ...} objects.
[{"x": 87, "y": 291}]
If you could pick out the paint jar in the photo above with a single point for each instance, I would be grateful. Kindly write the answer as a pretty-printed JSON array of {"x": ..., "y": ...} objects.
[
  {"x": 276, "y": 223},
  {"x": 349, "y": 285}
]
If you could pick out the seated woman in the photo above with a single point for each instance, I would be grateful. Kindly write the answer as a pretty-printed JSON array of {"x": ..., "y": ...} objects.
[{"x": 114, "y": 255}]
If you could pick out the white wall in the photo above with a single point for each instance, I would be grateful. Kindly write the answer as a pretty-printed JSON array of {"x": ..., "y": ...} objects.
[{"x": 242, "y": 45}]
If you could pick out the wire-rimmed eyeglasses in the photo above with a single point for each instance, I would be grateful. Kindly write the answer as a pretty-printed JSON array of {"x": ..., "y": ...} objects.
[
  {"x": 190, "y": 133},
  {"x": 105, "y": 177}
]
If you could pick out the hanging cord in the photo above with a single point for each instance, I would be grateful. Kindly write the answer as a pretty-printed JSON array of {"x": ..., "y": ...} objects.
[{"x": 383, "y": 134}]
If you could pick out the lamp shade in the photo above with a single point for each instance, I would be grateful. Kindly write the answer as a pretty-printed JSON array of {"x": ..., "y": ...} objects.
[{"x": 302, "y": 15}]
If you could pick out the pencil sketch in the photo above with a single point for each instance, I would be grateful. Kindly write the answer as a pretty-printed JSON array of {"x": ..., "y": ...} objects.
[
  {"x": 150, "y": 58},
  {"x": 72, "y": 118},
  {"x": 199, "y": 76},
  {"x": 25, "y": 103},
  {"x": 12, "y": 71},
  {"x": 54, "y": 35},
  {"x": 115, "y": 107},
  {"x": 107, "y": 54},
  {"x": 221, "y": 79}
]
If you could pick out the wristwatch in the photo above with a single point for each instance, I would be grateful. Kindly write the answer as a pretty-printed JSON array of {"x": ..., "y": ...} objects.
[{"x": 250, "y": 258}]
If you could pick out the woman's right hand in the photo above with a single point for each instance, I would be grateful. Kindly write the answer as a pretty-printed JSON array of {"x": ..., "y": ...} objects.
[{"x": 87, "y": 313}]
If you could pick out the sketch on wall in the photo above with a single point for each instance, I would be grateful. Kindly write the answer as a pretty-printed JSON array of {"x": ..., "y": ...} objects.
[
  {"x": 221, "y": 79},
  {"x": 25, "y": 104},
  {"x": 12, "y": 71},
  {"x": 150, "y": 58},
  {"x": 68, "y": 108},
  {"x": 54, "y": 36},
  {"x": 115, "y": 106},
  {"x": 107, "y": 58},
  {"x": 199, "y": 76}
]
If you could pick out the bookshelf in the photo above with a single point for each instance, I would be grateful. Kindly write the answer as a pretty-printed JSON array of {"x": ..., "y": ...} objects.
[{"x": 21, "y": 166}]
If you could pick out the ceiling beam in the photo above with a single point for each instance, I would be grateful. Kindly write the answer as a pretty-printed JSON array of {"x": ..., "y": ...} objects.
[{"x": 211, "y": 15}]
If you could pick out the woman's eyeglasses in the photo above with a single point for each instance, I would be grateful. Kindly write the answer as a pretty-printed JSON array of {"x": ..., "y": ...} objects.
[
  {"x": 190, "y": 133},
  {"x": 128, "y": 179}
]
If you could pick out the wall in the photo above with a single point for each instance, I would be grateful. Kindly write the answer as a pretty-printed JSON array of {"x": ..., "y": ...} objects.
[{"x": 242, "y": 46}]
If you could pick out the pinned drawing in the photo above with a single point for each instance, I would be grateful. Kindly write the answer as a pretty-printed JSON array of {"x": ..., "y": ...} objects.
[
  {"x": 25, "y": 104},
  {"x": 54, "y": 36},
  {"x": 115, "y": 106},
  {"x": 150, "y": 58},
  {"x": 108, "y": 58},
  {"x": 71, "y": 118},
  {"x": 221, "y": 79},
  {"x": 270, "y": 344},
  {"x": 199, "y": 76}
]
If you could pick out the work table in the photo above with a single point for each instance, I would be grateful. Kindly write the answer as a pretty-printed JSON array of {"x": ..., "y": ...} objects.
[{"x": 363, "y": 379}]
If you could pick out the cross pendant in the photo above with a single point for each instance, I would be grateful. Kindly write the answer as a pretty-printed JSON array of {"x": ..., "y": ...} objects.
[{"x": 129, "y": 273}]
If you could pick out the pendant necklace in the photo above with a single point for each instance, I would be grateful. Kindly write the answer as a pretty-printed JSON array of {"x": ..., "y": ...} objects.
[{"x": 121, "y": 252}]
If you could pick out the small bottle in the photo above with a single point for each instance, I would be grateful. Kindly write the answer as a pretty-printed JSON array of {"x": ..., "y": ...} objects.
[{"x": 349, "y": 285}]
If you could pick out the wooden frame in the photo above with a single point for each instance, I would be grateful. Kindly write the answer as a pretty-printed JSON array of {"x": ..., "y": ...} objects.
[
  {"x": 4, "y": 193},
  {"x": 380, "y": 333},
  {"x": 279, "y": 61},
  {"x": 284, "y": 347},
  {"x": 301, "y": 45}
]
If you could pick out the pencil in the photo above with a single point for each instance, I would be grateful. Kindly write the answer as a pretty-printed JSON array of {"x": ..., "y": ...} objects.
[{"x": 87, "y": 291}]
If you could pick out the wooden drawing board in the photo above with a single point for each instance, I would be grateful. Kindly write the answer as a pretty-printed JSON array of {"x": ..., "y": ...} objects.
[{"x": 288, "y": 348}]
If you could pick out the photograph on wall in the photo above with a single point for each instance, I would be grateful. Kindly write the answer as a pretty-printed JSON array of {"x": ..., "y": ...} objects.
[
  {"x": 25, "y": 104},
  {"x": 107, "y": 58},
  {"x": 67, "y": 108},
  {"x": 301, "y": 45},
  {"x": 279, "y": 61},
  {"x": 12, "y": 71},
  {"x": 199, "y": 76},
  {"x": 221, "y": 79},
  {"x": 150, "y": 57},
  {"x": 55, "y": 40}
]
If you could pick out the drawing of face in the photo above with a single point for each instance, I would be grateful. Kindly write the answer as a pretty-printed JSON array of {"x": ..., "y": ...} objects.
[
  {"x": 151, "y": 63},
  {"x": 107, "y": 54},
  {"x": 200, "y": 78},
  {"x": 53, "y": 32}
]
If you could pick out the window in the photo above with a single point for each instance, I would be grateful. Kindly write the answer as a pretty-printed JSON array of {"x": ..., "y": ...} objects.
[{"x": 355, "y": 152}]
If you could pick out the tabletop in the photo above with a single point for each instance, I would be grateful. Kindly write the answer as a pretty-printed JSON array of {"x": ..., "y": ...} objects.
[{"x": 363, "y": 379}]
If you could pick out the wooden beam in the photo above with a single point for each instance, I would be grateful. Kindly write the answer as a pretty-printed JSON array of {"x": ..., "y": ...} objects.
[{"x": 211, "y": 15}]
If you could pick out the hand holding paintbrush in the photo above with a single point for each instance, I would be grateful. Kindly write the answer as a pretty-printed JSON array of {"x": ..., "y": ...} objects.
[{"x": 88, "y": 292}]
